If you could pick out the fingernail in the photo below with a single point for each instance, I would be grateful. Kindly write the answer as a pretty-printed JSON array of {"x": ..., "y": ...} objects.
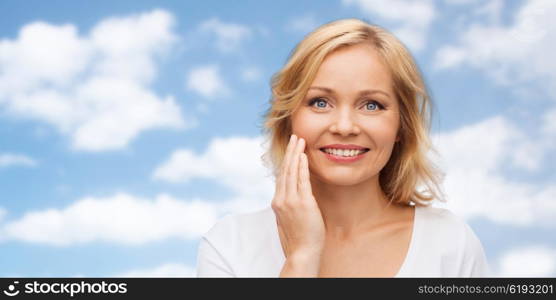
[{"x": 292, "y": 137}]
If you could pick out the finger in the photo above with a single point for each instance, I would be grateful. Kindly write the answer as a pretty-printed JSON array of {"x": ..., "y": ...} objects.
[
  {"x": 304, "y": 178},
  {"x": 289, "y": 151},
  {"x": 285, "y": 163},
  {"x": 293, "y": 171}
]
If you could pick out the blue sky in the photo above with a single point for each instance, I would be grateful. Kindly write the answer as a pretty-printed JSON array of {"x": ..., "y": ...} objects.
[{"x": 127, "y": 128}]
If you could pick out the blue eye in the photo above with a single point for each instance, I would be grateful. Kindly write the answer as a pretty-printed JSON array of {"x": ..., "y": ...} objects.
[
  {"x": 321, "y": 103},
  {"x": 373, "y": 105}
]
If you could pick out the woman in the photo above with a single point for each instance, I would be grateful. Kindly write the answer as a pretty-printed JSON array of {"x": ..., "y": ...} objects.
[{"x": 348, "y": 139}]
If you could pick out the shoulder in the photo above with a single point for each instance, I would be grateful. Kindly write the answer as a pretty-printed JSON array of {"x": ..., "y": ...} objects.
[
  {"x": 451, "y": 237},
  {"x": 443, "y": 222}
]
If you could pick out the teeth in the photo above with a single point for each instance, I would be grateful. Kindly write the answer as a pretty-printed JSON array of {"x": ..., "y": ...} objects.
[{"x": 344, "y": 152}]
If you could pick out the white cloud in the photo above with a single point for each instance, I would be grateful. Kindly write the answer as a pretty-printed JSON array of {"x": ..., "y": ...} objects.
[
  {"x": 478, "y": 156},
  {"x": 474, "y": 158},
  {"x": 207, "y": 81},
  {"x": 303, "y": 24},
  {"x": 119, "y": 219},
  {"x": 516, "y": 55},
  {"x": 8, "y": 159},
  {"x": 461, "y": 2},
  {"x": 492, "y": 10},
  {"x": 233, "y": 162},
  {"x": 165, "y": 270},
  {"x": 411, "y": 18},
  {"x": 549, "y": 119},
  {"x": 530, "y": 261},
  {"x": 123, "y": 109},
  {"x": 129, "y": 44},
  {"x": 251, "y": 74},
  {"x": 43, "y": 53},
  {"x": 125, "y": 219},
  {"x": 93, "y": 88},
  {"x": 229, "y": 36},
  {"x": 449, "y": 56},
  {"x": 262, "y": 31},
  {"x": 128, "y": 220}
]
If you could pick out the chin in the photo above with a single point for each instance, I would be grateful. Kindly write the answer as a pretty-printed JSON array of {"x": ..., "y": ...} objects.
[{"x": 343, "y": 178}]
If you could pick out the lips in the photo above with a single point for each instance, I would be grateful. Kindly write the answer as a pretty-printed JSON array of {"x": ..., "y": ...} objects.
[
  {"x": 323, "y": 150},
  {"x": 344, "y": 159},
  {"x": 344, "y": 147},
  {"x": 336, "y": 152}
]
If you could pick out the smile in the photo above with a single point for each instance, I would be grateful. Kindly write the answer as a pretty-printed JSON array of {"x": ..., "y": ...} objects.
[{"x": 344, "y": 155}]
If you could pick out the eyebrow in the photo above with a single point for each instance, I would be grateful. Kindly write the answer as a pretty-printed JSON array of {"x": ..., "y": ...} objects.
[{"x": 361, "y": 93}]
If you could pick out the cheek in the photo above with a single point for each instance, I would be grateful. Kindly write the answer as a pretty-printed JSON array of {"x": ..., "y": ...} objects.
[
  {"x": 305, "y": 126},
  {"x": 383, "y": 131},
  {"x": 387, "y": 137}
]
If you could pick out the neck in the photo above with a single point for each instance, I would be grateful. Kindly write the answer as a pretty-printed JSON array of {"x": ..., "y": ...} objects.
[{"x": 349, "y": 209}]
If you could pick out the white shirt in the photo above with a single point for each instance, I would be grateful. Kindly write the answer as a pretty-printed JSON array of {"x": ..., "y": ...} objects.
[{"x": 248, "y": 245}]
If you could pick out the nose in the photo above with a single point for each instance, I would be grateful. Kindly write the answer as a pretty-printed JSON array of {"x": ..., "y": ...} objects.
[{"x": 345, "y": 124}]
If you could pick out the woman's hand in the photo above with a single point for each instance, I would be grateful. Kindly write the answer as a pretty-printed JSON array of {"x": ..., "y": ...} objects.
[{"x": 300, "y": 223}]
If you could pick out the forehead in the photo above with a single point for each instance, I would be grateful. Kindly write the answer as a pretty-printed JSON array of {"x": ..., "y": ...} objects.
[{"x": 356, "y": 67}]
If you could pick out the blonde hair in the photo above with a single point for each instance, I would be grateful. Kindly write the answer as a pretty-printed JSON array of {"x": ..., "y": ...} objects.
[{"x": 408, "y": 166}]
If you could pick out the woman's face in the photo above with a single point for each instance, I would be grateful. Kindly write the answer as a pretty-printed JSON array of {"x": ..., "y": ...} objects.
[{"x": 350, "y": 102}]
